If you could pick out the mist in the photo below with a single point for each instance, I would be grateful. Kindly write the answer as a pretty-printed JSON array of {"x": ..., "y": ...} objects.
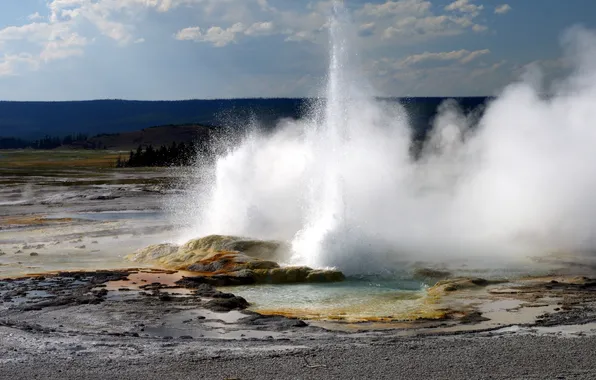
[{"x": 342, "y": 187}]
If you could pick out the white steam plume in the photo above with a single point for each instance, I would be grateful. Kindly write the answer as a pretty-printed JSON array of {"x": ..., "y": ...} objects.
[{"x": 344, "y": 189}]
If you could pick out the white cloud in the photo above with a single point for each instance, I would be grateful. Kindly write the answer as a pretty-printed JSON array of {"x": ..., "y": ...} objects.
[
  {"x": 221, "y": 37},
  {"x": 59, "y": 37},
  {"x": 33, "y": 32},
  {"x": 55, "y": 41},
  {"x": 484, "y": 71},
  {"x": 479, "y": 28},
  {"x": 11, "y": 63},
  {"x": 301, "y": 36},
  {"x": 260, "y": 29},
  {"x": 390, "y": 20},
  {"x": 264, "y": 4},
  {"x": 463, "y": 56},
  {"x": 63, "y": 30},
  {"x": 216, "y": 35},
  {"x": 473, "y": 79},
  {"x": 35, "y": 17},
  {"x": 392, "y": 8},
  {"x": 64, "y": 47},
  {"x": 415, "y": 20},
  {"x": 189, "y": 34},
  {"x": 464, "y": 6},
  {"x": 502, "y": 9},
  {"x": 366, "y": 30},
  {"x": 472, "y": 55},
  {"x": 116, "y": 19},
  {"x": 300, "y": 26}
]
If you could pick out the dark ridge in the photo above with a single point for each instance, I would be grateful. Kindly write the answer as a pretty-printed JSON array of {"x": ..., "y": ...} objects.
[{"x": 35, "y": 120}]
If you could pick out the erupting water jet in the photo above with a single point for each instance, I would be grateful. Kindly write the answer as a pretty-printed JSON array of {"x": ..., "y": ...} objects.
[{"x": 343, "y": 187}]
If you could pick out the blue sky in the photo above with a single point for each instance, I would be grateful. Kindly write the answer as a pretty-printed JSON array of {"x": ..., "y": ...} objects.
[{"x": 182, "y": 49}]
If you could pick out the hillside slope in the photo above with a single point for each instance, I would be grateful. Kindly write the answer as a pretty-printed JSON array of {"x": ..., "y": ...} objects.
[
  {"x": 34, "y": 120},
  {"x": 154, "y": 136}
]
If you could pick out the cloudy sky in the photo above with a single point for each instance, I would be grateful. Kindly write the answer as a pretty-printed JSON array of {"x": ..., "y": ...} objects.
[{"x": 182, "y": 49}]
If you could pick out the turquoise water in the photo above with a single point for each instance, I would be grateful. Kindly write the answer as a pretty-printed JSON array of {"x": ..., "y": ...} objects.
[
  {"x": 391, "y": 296},
  {"x": 355, "y": 298}
]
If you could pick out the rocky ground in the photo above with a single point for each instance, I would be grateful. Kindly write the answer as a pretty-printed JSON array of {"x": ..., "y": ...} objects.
[
  {"x": 156, "y": 324},
  {"x": 140, "y": 324},
  {"x": 69, "y": 219}
]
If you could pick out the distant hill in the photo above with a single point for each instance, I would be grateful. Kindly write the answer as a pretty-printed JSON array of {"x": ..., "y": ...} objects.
[
  {"x": 154, "y": 136},
  {"x": 34, "y": 120}
]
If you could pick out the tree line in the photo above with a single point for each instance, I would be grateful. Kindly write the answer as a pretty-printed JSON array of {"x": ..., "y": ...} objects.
[
  {"x": 182, "y": 154},
  {"x": 49, "y": 142},
  {"x": 203, "y": 148}
]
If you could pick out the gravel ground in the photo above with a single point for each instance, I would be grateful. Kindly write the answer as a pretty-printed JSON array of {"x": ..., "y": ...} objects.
[{"x": 478, "y": 356}]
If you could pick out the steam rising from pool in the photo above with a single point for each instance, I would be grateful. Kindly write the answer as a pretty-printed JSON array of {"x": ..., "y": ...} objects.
[{"x": 343, "y": 187}]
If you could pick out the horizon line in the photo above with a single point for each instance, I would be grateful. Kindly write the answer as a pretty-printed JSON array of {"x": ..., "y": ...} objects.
[{"x": 230, "y": 99}]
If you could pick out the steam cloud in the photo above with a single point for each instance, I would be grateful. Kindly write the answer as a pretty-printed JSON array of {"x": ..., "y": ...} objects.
[{"x": 343, "y": 187}]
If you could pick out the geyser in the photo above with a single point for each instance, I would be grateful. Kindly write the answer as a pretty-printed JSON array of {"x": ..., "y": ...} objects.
[{"x": 343, "y": 187}]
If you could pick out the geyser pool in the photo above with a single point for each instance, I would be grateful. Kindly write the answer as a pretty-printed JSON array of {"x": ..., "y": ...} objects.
[
  {"x": 357, "y": 299},
  {"x": 344, "y": 188}
]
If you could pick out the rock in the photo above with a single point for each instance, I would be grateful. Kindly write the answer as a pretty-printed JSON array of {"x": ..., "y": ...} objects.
[
  {"x": 225, "y": 262},
  {"x": 262, "y": 249},
  {"x": 456, "y": 284},
  {"x": 108, "y": 197},
  {"x": 227, "y": 304},
  {"x": 473, "y": 318},
  {"x": 428, "y": 273},
  {"x": 34, "y": 254},
  {"x": 165, "y": 297},
  {"x": 261, "y": 264},
  {"x": 196, "y": 250},
  {"x": 153, "y": 253},
  {"x": 325, "y": 276},
  {"x": 203, "y": 289},
  {"x": 294, "y": 275},
  {"x": 243, "y": 277},
  {"x": 286, "y": 275},
  {"x": 272, "y": 322}
]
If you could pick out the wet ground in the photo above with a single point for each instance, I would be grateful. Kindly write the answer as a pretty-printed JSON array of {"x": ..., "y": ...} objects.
[
  {"x": 54, "y": 222},
  {"x": 58, "y": 219},
  {"x": 133, "y": 325}
]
